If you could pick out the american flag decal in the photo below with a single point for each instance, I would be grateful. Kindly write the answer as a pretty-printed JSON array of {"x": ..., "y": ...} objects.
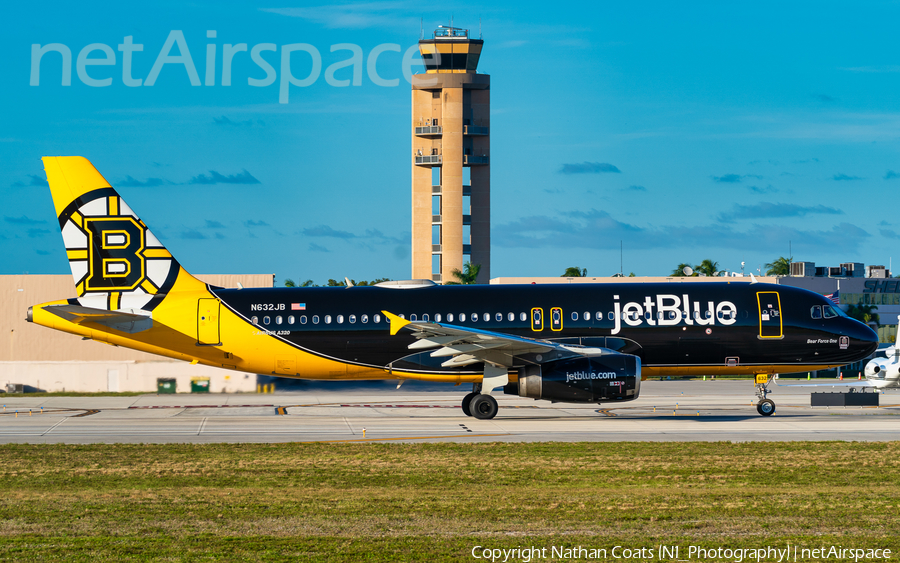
[{"x": 298, "y": 306}]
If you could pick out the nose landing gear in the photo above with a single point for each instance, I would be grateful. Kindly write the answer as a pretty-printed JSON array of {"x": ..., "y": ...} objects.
[{"x": 765, "y": 406}]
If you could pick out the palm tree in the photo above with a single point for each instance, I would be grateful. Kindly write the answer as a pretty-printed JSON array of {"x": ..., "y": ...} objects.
[
  {"x": 678, "y": 272},
  {"x": 288, "y": 282},
  {"x": 864, "y": 313},
  {"x": 467, "y": 276},
  {"x": 574, "y": 272},
  {"x": 707, "y": 267},
  {"x": 780, "y": 267}
]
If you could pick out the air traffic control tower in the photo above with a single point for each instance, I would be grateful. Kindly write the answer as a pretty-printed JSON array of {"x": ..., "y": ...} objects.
[{"x": 451, "y": 172}]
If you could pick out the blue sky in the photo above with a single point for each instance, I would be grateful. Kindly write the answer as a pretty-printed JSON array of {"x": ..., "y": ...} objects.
[{"x": 707, "y": 130}]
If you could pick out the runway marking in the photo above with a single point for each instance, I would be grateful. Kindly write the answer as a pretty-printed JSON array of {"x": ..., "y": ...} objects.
[
  {"x": 281, "y": 411},
  {"x": 54, "y": 426},
  {"x": 401, "y": 438},
  {"x": 87, "y": 412},
  {"x": 464, "y": 427},
  {"x": 196, "y": 406},
  {"x": 606, "y": 412},
  {"x": 202, "y": 424}
]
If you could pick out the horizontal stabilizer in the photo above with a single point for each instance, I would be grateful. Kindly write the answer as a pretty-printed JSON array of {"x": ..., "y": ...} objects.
[{"x": 130, "y": 320}]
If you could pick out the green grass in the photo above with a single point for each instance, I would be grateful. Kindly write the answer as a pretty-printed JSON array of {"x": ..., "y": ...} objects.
[{"x": 420, "y": 502}]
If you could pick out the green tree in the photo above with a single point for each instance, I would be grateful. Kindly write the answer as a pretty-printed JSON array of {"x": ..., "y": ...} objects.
[
  {"x": 864, "y": 313},
  {"x": 678, "y": 272},
  {"x": 373, "y": 282},
  {"x": 288, "y": 282},
  {"x": 467, "y": 276},
  {"x": 780, "y": 267},
  {"x": 574, "y": 272},
  {"x": 707, "y": 267}
]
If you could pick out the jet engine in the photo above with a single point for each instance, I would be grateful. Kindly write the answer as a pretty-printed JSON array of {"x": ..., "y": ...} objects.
[
  {"x": 884, "y": 372},
  {"x": 607, "y": 377}
]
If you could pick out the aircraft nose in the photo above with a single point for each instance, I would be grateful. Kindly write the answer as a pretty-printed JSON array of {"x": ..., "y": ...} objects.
[{"x": 862, "y": 338}]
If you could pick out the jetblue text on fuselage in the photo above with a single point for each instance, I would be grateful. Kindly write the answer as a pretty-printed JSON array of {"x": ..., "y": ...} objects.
[{"x": 671, "y": 310}]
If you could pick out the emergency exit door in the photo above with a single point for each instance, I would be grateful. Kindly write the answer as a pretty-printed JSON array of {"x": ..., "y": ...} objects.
[
  {"x": 208, "y": 322},
  {"x": 770, "y": 320}
]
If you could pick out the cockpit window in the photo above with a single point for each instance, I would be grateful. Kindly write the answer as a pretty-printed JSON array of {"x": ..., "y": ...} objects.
[
  {"x": 829, "y": 312},
  {"x": 816, "y": 312}
]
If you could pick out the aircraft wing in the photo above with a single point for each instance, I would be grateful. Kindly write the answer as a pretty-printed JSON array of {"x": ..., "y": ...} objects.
[
  {"x": 130, "y": 321},
  {"x": 466, "y": 345}
]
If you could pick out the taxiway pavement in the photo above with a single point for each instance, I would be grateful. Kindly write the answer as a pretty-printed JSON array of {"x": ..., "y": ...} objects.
[{"x": 665, "y": 411}]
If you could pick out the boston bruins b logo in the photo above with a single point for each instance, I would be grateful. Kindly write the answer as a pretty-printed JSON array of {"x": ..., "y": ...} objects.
[{"x": 116, "y": 261}]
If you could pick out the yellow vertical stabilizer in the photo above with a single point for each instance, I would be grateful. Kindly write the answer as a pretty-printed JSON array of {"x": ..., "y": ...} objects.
[{"x": 116, "y": 262}]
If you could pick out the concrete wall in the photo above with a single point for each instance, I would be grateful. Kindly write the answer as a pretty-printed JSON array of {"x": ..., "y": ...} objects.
[{"x": 128, "y": 376}]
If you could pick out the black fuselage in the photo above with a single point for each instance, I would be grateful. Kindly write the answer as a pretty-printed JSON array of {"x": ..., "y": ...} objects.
[{"x": 675, "y": 328}]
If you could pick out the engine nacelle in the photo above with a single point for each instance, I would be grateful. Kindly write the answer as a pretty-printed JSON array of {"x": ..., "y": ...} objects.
[
  {"x": 883, "y": 372},
  {"x": 610, "y": 377}
]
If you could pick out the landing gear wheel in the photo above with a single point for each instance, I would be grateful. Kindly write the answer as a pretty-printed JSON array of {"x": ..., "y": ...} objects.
[
  {"x": 766, "y": 407},
  {"x": 466, "y": 403},
  {"x": 484, "y": 407}
]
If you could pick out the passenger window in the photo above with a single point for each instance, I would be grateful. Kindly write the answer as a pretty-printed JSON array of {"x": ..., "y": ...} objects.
[
  {"x": 598, "y": 316},
  {"x": 364, "y": 319},
  {"x": 523, "y": 317},
  {"x": 659, "y": 315},
  {"x": 474, "y": 317},
  {"x": 437, "y": 317},
  {"x": 402, "y": 316},
  {"x": 340, "y": 319},
  {"x": 611, "y": 316},
  {"x": 413, "y": 317},
  {"x": 696, "y": 314},
  {"x": 376, "y": 318},
  {"x": 829, "y": 312},
  {"x": 647, "y": 315},
  {"x": 352, "y": 318},
  {"x": 816, "y": 312},
  {"x": 315, "y": 319},
  {"x": 291, "y": 320},
  {"x": 303, "y": 319},
  {"x": 487, "y": 317},
  {"x": 511, "y": 317},
  {"x": 462, "y": 317},
  {"x": 328, "y": 319},
  {"x": 450, "y": 317},
  {"x": 587, "y": 316},
  {"x": 499, "y": 317},
  {"x": 278, "y": 320},
  {"x": 425, "y": 317},
  {"x": 266, "y": 320},
  {"x": 574, "y": 316},
  {"x": 254, "y": 320}
]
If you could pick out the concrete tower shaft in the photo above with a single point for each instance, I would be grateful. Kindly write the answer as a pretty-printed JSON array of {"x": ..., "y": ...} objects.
[{"x": 451, "y": 159}]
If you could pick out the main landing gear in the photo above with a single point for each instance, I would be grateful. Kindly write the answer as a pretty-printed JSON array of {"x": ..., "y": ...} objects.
[
  {"x": 483, "y": 407},
  {"x": 764, "y": 406}
]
